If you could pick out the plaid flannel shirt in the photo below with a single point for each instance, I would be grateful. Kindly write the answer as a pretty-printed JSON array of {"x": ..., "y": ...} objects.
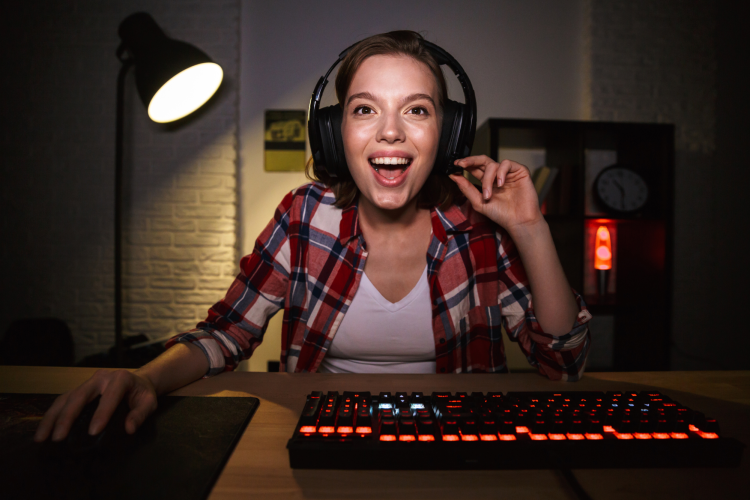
[{"x": 309, "y": 261}]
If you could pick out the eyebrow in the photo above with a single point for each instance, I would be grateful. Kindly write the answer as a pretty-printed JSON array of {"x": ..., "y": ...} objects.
[
  {"x": 361, "y": 95},
  {"x": 409, "y": 98}
]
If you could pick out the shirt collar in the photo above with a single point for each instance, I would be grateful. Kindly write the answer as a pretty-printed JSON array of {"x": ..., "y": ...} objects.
[
  {"x": 452, "y": 220},
  {"x": 349, "y": 226},
  {"x": 444, "y": 223}
]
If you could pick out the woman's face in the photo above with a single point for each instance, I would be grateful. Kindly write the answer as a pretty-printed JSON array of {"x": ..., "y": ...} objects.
[{"x": 391, "y": 129}]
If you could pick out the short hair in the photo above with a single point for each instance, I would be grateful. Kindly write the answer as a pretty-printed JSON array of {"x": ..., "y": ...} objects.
[{"x": 438, "y": 190}]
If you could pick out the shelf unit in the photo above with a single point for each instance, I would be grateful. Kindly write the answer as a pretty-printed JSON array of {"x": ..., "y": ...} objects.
[{"x": 640, "y": 297}]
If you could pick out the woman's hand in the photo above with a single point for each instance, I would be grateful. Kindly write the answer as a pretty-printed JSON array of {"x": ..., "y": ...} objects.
[
  {"x": 113, "y": 387},
  {"x": 508, "y": 196}
]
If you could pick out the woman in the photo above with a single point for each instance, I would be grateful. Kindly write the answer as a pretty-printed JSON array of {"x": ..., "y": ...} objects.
[{"x": 390, "y": 268}]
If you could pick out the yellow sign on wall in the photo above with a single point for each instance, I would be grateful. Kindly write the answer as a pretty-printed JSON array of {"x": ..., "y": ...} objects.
[{"x": 285, "y": 134}]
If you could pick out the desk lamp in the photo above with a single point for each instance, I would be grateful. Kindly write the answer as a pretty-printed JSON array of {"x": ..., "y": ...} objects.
[{"x": 173, "y": 79}]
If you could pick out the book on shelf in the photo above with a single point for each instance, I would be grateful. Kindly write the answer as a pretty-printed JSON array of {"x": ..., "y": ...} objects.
[{"x": 543, "y": 178}]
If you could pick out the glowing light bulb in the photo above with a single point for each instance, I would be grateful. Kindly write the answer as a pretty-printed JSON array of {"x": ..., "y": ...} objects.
[{"x": 185, "y": 92}]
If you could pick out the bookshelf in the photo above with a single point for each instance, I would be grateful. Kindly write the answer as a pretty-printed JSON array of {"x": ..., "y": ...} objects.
[{"x": 632, "y": 325}]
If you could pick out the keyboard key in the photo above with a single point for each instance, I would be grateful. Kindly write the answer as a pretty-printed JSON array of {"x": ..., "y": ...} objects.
[
  {"x": 407, "y": 429},
  {"x": 468, "y": 428},
  {"x": 709, "y": 425},
  {"x": 450, "y": 428},
  {"x": 385, "y": 400},
  {"x": 625, "y": 426},
  {"x": 539, "y": 427},
  {"x": 327, "y": 420},
  {"x": 506, "y": 428},
  {"x": 388, "y": 428},
  {"x": 311, "y": 410}
]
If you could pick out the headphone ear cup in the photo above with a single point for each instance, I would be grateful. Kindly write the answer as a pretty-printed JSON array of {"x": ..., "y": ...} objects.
[
  {"x": 450, "y": 131},
  {"x": 337, "y": 117},
  {"x": 331, "y": 143}
]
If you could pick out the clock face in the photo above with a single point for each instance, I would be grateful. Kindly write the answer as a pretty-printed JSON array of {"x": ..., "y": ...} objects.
[{"x": 621, "y": 189}]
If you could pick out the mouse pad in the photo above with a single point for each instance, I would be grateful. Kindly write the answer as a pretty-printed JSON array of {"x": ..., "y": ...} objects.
[{"x": 177, "y": 453}]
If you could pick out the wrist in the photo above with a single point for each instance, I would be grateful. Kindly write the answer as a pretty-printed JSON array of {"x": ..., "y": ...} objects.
[
  {"x": 149, "y": 377},
  {"x": 529, "y": 231}
]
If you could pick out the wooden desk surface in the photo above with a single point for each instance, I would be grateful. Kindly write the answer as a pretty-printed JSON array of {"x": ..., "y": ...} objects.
[{"x": 259, "y": 466}]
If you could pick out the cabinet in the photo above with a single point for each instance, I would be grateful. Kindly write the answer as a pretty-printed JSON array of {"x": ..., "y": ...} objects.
[{"x": 633, "y": 317}]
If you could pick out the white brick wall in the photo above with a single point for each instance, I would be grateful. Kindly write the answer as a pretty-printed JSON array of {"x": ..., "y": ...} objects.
[{"x": 57, "y": 138}]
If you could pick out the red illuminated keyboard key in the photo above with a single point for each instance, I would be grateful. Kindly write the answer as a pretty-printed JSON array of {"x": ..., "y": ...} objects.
[{"x": 388, "y": 429}]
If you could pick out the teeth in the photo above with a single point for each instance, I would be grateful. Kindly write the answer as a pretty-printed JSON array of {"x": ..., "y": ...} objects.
[{"x": 387, "y": 160}]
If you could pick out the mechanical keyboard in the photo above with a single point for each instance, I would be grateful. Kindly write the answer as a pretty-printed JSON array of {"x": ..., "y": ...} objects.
[{"x": 515, "y": 430}]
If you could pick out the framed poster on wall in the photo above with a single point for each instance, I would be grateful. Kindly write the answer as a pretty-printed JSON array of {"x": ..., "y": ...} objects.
[{"x": 284, "y": 138}]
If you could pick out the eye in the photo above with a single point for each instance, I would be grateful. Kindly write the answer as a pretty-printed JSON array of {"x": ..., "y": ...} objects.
[
  {"x": 419, "y": 111},
  {"x": 363, "y": 110}
]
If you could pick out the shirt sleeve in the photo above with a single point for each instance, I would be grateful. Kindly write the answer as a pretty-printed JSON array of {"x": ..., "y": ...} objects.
[
  {"x": 558, "y": 357},
  {"x": 236, "y": 324}
]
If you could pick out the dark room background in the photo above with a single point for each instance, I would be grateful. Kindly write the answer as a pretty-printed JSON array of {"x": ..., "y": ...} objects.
[{"x": 197, "y": 194}]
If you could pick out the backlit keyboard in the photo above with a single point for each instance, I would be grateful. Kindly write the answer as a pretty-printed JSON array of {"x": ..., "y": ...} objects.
[{"x": 515, "y": 430}]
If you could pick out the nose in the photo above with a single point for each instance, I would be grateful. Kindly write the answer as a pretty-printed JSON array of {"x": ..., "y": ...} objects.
[{"x": 391, "y": 128}]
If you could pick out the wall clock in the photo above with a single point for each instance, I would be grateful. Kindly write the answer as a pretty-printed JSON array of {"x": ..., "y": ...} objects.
[{"x": 621, "y": 189}]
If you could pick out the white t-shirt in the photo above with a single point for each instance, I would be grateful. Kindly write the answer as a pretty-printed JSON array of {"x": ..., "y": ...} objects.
[{"x": 378, "y": 336}]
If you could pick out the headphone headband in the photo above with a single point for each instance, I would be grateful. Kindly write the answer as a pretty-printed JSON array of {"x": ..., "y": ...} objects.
[{"x": 456, "y": 135}]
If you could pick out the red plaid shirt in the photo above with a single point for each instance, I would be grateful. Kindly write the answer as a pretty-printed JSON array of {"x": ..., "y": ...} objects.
[{"x": 309, "y": 261}]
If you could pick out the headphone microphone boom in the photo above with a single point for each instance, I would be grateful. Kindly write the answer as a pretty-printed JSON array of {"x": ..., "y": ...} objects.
[{"x": 456, "y": 134}]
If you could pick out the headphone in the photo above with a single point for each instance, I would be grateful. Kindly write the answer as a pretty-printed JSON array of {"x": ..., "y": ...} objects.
[{"x": 456, "y": 135}]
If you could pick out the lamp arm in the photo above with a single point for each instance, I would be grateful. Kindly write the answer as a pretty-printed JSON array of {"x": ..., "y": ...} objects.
[{"x": 119, "y": 126}]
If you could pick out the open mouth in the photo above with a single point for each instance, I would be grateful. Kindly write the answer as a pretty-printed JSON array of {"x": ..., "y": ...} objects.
[{"x": 390, "y": 167}]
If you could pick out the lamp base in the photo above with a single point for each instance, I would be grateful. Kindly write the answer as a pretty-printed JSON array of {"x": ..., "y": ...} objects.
[{"x": 603, "y": 275}]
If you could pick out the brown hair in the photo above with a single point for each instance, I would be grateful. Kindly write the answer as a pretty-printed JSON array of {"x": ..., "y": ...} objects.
[{"x": 438, "y": 189}]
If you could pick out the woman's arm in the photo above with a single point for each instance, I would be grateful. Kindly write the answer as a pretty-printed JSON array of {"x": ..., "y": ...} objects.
[
  {"x": 178, "y": 366},
  {"x": 509, "y": 199},
  {"x": 238, "y": 321},
  {"x": 554, "y": 304}
]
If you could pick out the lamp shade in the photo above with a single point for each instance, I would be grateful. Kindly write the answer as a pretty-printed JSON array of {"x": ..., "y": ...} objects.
[{"x": 173, "y": 78}]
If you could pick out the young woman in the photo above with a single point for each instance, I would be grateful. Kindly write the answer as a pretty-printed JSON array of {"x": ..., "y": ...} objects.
[{"x": 390, "y": 268}]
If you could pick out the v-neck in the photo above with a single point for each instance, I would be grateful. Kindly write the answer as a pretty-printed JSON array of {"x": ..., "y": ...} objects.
[{"x": 367, "y": 286}]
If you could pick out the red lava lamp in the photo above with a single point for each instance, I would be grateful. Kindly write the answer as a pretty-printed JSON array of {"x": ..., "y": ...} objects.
[{"x": 603, "y": 258}]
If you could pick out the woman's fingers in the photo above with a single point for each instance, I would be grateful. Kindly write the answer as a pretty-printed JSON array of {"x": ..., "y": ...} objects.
[
  {"x": 488, "y": 180},
  {"x": 50, "y": 417},
  {"x": 469, "y": 190},
  {"x": 77, "y": 399},
  {"x": 503, "y": 170},
  {"x": 476, "y": 165},
  {"x": 119, "y": 384},
  {"x": 143, "y": 405},
  {"x": 488, "y": 171},
  {"x": 113, "y": 387}
]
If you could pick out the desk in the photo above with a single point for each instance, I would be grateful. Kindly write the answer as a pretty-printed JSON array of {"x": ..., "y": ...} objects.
[{"x": 259, "y": 466}]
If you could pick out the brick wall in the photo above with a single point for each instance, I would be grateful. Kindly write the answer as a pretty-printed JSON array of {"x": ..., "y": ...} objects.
[
  {"x": 656, "y": 62},
  {"x": 57, "y": 139}
]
